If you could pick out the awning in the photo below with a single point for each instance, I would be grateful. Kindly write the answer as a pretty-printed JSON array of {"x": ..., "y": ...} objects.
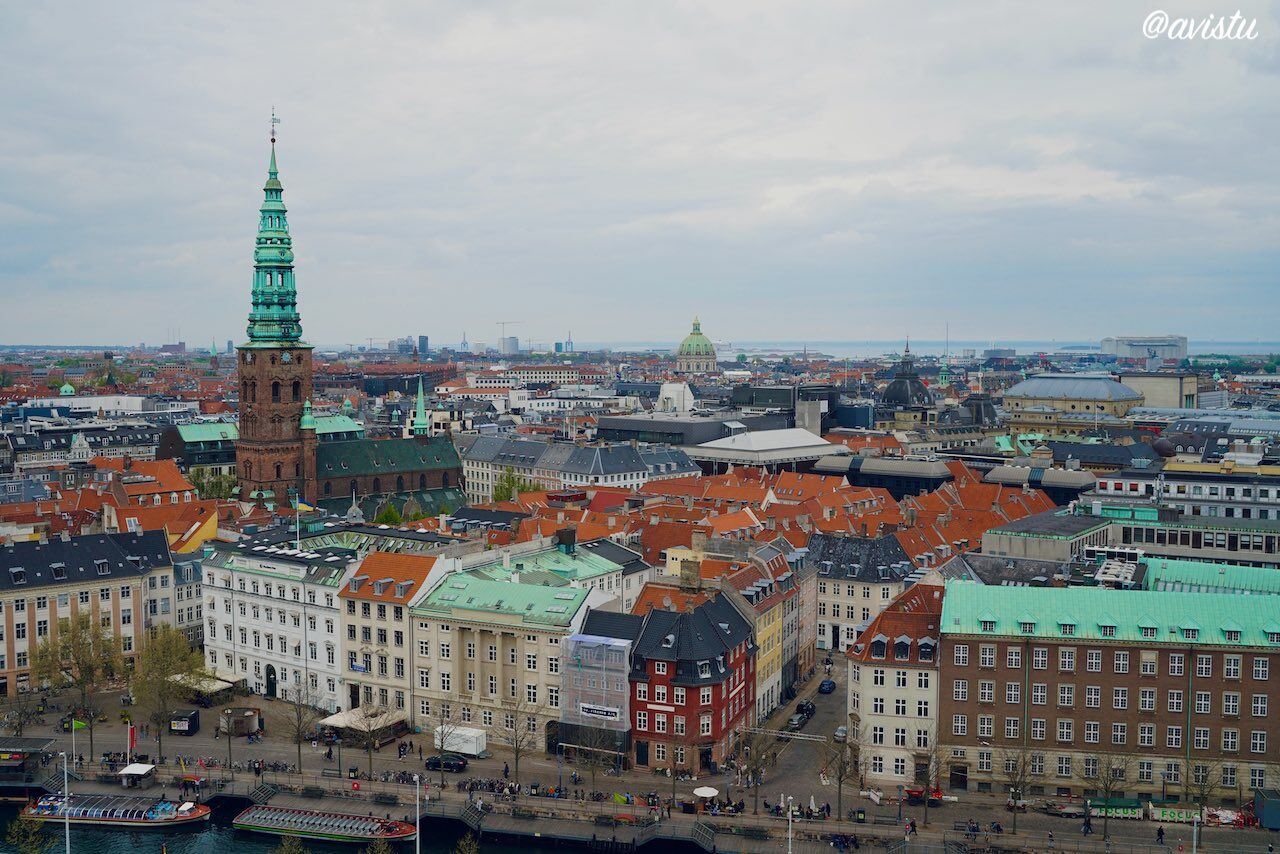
[{"x": 137, "y": 769}]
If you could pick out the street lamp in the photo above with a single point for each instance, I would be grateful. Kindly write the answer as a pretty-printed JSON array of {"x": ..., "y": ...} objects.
[
  {"x": 66, "y": 800},
  {"x": 789, "y": 800},
  {"x": 417, "y": 817},
  {"x": 226, "y": 714}
]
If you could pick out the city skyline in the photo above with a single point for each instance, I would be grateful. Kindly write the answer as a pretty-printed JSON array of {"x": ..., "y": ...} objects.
[{"x": 608, "y": 172}]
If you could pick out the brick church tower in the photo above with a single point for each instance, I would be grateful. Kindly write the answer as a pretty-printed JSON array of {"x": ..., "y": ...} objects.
[{"x": 274, "y": 368}]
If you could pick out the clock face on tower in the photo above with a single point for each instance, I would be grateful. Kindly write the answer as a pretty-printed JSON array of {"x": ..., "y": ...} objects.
[{"x": 286, "y": 357}]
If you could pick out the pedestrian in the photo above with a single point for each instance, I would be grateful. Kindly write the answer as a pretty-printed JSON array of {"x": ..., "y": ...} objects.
[
  {"x": 506, "y": 771},
  {"x": 1160, "y": 835},
  {"x": 1051, "y": 839},
  {"x": 912, "y": 827},
  {"x": 419, "y": 752}
]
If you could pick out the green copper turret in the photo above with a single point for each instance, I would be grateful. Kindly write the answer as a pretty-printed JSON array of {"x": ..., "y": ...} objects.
[{"x": 274, "y": 318}]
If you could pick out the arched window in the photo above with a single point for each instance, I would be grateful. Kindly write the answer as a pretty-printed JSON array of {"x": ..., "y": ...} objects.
[
  {"x": 399, "y": 483},
  {"x": 297, "y": 391},
  {"x": 297, "y": 469},
  {"x": 244, "y": 390},
  {"x": 248, "y": 470},
  {"x": 328, "y": 488},
  {"x": 444, "y": 480},
  {"x": 279, "y": 469},
  {"x": 422, "y": 481},
  {"x": 377, "y": 484},
  {"x": 253, "y": 391},
  {"x": 275, "y": 392}
]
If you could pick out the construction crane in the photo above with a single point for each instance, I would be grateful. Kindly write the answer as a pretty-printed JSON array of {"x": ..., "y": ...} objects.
[{"x": 505, "y": 323}]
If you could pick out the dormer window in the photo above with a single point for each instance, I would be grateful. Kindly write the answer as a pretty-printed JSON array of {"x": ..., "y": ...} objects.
[
  {"x": 1272, "y": 637},
  {"x": 102, "y": 567},
  {"x": 902, "y": 650},
  {"x": 1148, "y": 631},
  {"x": 1107, "y": 631},
  {"x": 1234, "y": 636},
  {"x": 878, "y": 648},
  {"x": 1027, "y": 628},
  {"x": 926, "y": 652},
  {"x": 59, "y": 571},
  {"x": 988, "y": 625},
  {"x": 704, "y": 669},
  {"x": 669, "y": 641},
  {"x": 1190, "y": 634},
  {"x": 17, "y": 575},
  {"x": 1067, "y": 629}
]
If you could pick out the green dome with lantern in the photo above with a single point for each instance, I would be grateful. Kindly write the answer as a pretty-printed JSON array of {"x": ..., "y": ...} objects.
[
  {"x": 67, "y": 390},
  {"x": 696, "y": 344}
]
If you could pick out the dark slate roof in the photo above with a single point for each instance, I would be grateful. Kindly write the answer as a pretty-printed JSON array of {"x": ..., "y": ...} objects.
[
  {"x": 610, "y": 624},
  {"x": 630, "y": 560},
  {"x": 688, "y": 639},
  {"x": 1104, "y": 454},
  {"x": 613, "y": 459},
  {"x": 470, "y": 517},
  {"x": 858, "y": 558},
  {"x": 76, "y": 560},
  {"x": 96, "y": 437},
  {"x": 1003, "y": 571},
  {"x": 382, "y": 457}
]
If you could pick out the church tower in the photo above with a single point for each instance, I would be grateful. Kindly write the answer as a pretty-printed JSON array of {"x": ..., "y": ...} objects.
[{"x": 274, "y": 364}]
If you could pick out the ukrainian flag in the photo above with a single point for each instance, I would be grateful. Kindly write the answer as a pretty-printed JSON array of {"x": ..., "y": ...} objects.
[{"x": 305, "y": 507}]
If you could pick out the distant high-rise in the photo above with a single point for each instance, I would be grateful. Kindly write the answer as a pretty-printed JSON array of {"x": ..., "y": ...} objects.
[
  {"x": 510, "y": 345},
  {"x": 423, "y": 346},
  {"x": 231, "y": 346},
  {"x": 1144, "y": 346}
]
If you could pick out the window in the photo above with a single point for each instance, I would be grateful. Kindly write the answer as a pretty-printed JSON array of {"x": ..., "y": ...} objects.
[
  {"x": 1093, "y": 661},
  {"x": 986, "y": 691},
  {"x": 1038, "y": 729},
  {"x": 1176, "y": 663},
  {"x": 1040, "y": 658},
  {"x": 1013, "y": 692},
  {"x": 1258, "y": 741},
  {"x": 1204, "y": 702},
  {"x": 1092, "y": 696},
  {"x": 1230, "y": 740},
  {"x": 1122, "y": 662},
  {"x": 960, "y": 690},
  {"x": 985, "y": 726},
  {"x": 1261, "y": 669},
  {"x": 1173, "y": 736},
  {"x": 1067, "y": 659},
  {"x": 1175, "y": 701},
  {"x": 1066, "y": 730},
  {"x": 961, "y": 654},
  {"x": 1011, "y": 727},
  {"x": 1066, "y": 695},
  {"x": 1119, "y": 733},
  {"x": 1147, "y": 700},
  {"x": 1259, "y": 705},
  {"x": 986, "y": 656},
  {"x": 959, "y": 725},
  {"x": 1231, "y": 704},
  {"x": 1013, "y": 658},
  {"x": 1200, "y": 738},
  {"x": 1204, "y": 666},
  {"x": 1146, "y": 735},
  {"x": 1039, "y": 694},
  {"x": 1120, "y": 698},
  {"x": 642, "y": 720},
  {"x": 1064, "y": 766}
]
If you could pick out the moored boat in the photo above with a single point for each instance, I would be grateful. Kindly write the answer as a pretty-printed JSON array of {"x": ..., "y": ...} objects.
[
  {"x": 116, "y": 811},
  {"x": 322, "y": 826}
]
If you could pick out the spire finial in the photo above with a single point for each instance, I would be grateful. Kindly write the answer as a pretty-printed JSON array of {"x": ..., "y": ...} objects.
[{"x": 274, "y": 121}]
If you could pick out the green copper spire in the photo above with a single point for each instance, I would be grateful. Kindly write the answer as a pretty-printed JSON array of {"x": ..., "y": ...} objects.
[
  {"x": 420, "y": 427},
  {"x": 308, "y": 421},
  {"x": 274, "y": 318}
]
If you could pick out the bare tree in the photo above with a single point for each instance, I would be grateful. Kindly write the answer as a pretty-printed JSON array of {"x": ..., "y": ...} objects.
[
  {"x": 444, "y": 730},
  {"x": 518, "y": 738},
  {"x": 84, "y": 655},
  {"x": 595, "y": 751},
  {"x": 27, "y": 837},
  {"x": 1016, "y": 771},
  {"x": 933, "y": 757},
  {"x": 468, "y": 844},
  {"x": 1108, "y": 771},
  {"x": 841, "y": 766},
  {"x": 22, "y": 709},
  {"x": 755, "y": 758},
  {"x": 303, "y": 717},
  {"x": 1206, "y": 776},
  {"x": 368, "y": 725}
]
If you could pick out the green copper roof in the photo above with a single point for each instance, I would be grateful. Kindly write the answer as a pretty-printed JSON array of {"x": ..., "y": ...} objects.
[
  {"x": 532, "y": 604},
  {"x": 582, "y": 565},
  {"x": 307, "y": 421},
  {"x": 695, "y": 343},
  {"x": 420, "y": 425},
  {"x": 385, "y": 458},
  {"x": 274, "y": 318},
  {"x": 1198, "y": 576},
  {"x": 212, "y": 432},
  {"x": 67, "y": 390},
  {"x": 1086, "y": 609}
]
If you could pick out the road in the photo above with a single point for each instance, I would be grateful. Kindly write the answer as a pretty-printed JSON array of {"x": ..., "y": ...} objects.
[{"x": 796, "y": 773}]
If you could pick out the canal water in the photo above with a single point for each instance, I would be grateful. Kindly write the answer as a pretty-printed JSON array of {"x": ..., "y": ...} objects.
[{"x": 218, "y": 837}]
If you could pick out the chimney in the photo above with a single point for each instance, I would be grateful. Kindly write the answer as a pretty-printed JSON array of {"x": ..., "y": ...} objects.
[{"x": 506, "y": 560}]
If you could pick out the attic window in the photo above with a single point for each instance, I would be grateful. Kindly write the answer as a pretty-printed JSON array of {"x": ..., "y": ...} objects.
[
  {"x": 669, "y": 641},
  {"x": 1067, "y": 629},
  {"x": 988, "y": 625},
  {"x": 59, "y": 571},
  {"x": 1108, "y": 631},
  {"x": 704, "y": 669},
  {"x": 926, "y": 651},
  {"x": 18, "y": 575},
  {"x": 1027, "y": 628},
  {"x": 878, "y": 648},
  {"x": 1148, "y": 631},
  {"x": 1191, "y": 634},
  {"x": 1234, "y": 636},
  {"x": 1272, "y": 637},
  {"x": 102, "y": 566},
  {"x": 902, "y": 650}
]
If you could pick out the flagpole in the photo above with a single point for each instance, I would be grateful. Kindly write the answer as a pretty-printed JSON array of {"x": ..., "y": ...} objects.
[{"x": 66, "y": 799}]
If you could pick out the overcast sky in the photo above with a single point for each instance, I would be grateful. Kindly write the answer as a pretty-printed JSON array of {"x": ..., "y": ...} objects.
[{"x": 784, "y": 170}]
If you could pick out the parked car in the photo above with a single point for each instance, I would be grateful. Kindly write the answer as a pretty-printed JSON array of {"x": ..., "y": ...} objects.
[
  {"x": 827, "y": 686},
  {"x": 1063, "y": 810},
  {"x": 796, "y": 722},
  {"x": 806, "y": 708},
  {"x": 841, "y": 733},
  {"x": 454, "y": 763}
]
